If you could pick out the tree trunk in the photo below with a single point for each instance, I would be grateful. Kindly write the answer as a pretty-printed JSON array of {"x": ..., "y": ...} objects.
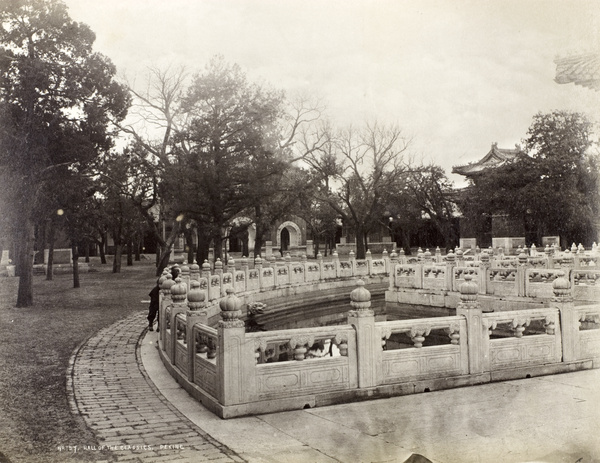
[
  {"x": 258, "y": 244},
  {"x": 137, "y": 246},
  {"x": 87, "y": 251},
  {"x": 166, "y": 250},
  {"x": 218, "y": 244},
  {"x": 102, "y": 247},
  {"x": 75, "y": 251},
  {"x": 203, "y": 249},
  {"x": 360, "y": 243},
  {"x": 189, "y": 241},
  {"x": 163, "y": 262},
  {"x": 117, "y": 257},
  {"x": 129, "y": 253},
  {"x": 25, "y": 260},
  {"x": 40, "y": 242},
  {"x": 50, "y": 263},
  {"x": 245, "y": 245}
]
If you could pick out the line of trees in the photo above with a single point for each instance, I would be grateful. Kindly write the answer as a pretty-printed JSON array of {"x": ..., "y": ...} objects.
[{"x": 211, "y": 154}]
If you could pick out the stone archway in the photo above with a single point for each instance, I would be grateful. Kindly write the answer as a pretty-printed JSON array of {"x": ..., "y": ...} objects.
[{"x": 289, "y": 234}]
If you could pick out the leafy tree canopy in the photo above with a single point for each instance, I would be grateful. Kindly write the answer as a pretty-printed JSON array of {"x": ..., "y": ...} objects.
[{"x": 552, "y": 188}]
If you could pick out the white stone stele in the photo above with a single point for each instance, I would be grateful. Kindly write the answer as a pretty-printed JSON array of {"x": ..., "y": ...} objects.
[
  {"x": 5, "y": 259},
  {"x": 468, "y": 243},
  {"x": 60, "y": 256}
]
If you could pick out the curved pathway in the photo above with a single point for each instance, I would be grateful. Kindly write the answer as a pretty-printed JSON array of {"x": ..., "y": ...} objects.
[{"x": 130, "y": 417}]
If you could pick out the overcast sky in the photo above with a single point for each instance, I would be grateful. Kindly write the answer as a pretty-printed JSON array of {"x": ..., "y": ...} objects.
[{"x": 455, "y": 75}]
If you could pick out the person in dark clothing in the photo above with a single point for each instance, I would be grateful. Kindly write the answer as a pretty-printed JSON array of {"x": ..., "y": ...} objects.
[
  {"x": 154, "y": 299},
  {"x": 153, "y": 309}
]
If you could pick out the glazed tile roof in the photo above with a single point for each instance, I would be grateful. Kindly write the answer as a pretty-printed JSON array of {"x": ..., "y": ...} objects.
[
  {"x": 494, "y": 158},
  {"x": 583, "y": 69}
]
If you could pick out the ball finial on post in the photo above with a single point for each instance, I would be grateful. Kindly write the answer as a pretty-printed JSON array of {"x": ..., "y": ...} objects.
[{"x": 360, "y": 297}]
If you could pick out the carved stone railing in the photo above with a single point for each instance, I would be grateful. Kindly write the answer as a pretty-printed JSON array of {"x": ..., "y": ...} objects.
[
  {"x": 503, "y": 281},
  {"x": 404, "y": 354},
  {"x": 205, "y": 358},
  {"x": 588, "y": 333},
  {"x": 301, "y": 361},
  {"x": 538, "y": 282},
  {"x": 236, "y": 373},
  {"x": 522, "y": 338},
  {"x": 181, "y": 348}
]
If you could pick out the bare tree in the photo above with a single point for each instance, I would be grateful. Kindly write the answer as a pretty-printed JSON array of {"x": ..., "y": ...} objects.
[
  {"x": 155, "y": 119},
  {"x": 358, "y": 168}
]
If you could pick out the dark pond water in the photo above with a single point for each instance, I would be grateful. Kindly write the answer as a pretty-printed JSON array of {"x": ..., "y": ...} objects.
[{"x": 335, "y": 313}]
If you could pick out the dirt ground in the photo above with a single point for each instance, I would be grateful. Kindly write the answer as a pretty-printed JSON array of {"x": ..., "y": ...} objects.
[{"x": 36, "y": 344}]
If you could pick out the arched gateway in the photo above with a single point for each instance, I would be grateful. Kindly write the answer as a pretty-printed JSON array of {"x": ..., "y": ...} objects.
[{"x": 289, "y": 235}]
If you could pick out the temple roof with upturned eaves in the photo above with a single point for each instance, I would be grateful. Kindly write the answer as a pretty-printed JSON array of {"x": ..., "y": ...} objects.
[
  {"x": 581, "y": 69},
  {"x": 495, "y": 158}
]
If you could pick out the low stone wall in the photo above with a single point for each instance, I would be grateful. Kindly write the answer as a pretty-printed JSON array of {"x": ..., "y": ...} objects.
[
  {"x": 234, "y": 373},
  {"x": 437, "y": 284}
]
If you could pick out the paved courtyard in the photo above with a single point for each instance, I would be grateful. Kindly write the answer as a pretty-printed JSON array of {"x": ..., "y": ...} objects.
[{"x": 134, "y": 407}]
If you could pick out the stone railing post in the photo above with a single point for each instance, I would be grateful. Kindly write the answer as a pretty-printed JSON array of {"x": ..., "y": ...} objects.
[
  {"x": 427, "y": 257},
  {"x": 244, "y": 267},
  {"x": 533, "y": 250},
  {"x": 468, "y": 307},
  {"x": 484, "y": 271},
  {"x": 419, "y": 275},
  {"x": 235, "y": 360},
  {"x": 569, "y": 321},
  {"x": 185, "y": 275},
  {"x": 402, "y": 256},
  {"x": 320, "y": 262},
  {"x": 568, "y": 259},
  {"x": 352, "y": 260},
  {"x": 392, "y": 269},
  {"x": 195, "y": 272},
  {"x": 196, "y": 301},
  {"x": 438, "y": 255},
  {"x": 549, "y": 260},
  {"x": 218, "y": 267},
  {"x": 205, "y": 269},
  {"x": 386, "y": 260},
  {"x": 449, "y": 273},
  {"x": 258, "y": 265},
  {"x": 522, "y": 266},
  {"x": 160, "y": 282},
  {"x": 231, "y": 267},
  {"x": 272, "y": 261},
  {"x": 362, "y": 318},
  {"x": 165, "y": 301},
  {"x": 179, "y": 295},
  {"x": 460, "y": 257},
  {"x": 336, "y": 261}
]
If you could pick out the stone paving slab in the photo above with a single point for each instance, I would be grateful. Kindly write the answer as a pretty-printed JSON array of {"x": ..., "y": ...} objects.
[
  {"x": 547, "y": 419},
  {"x": 109, "y": 387}
]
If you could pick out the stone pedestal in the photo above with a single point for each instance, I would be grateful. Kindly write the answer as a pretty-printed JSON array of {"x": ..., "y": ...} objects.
[
  {"x": 362, "y": 318},
  {"x": 196, "y": 303},
  {"x": 569, "y": 319},
  {"x": 235, "y": 359},
  {"x": 469, "y": 308}
]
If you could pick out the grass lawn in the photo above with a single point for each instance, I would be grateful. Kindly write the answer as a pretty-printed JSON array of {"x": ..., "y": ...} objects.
[{"x": 36, "y": 344}]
